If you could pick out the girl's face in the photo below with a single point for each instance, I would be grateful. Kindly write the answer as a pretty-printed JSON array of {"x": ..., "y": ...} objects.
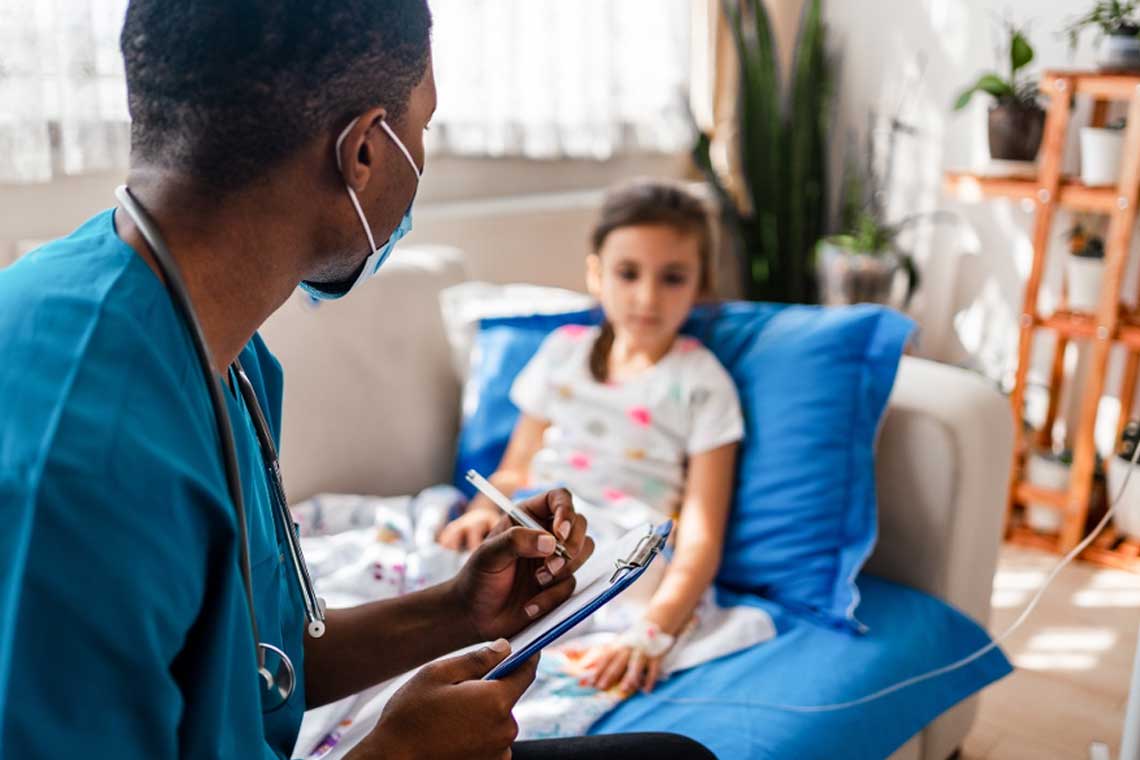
[{"x": 647, "y": 278}]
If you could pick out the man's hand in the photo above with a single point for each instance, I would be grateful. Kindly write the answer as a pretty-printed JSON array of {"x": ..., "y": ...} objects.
[
  {"x": 515, "y": 576},
  {"x": 445, "y": 711}
]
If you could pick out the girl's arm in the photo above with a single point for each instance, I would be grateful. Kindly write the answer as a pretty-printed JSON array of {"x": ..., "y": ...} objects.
[
  {"x": 700, "y": 539},
  {"x": 696, "y": 557},
  {"x": 469, "y": 530},
  {"x": 511, "y": 475}
]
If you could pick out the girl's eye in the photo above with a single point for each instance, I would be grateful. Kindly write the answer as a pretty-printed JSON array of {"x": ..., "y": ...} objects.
[
  {"x": 629, "y": 275},
  {"x": 675, "y": 278}
]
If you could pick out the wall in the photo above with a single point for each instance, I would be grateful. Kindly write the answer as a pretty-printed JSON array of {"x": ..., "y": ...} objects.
[
  {"x": 921, "y": 53},
  {"x": 457, "y": 204}
]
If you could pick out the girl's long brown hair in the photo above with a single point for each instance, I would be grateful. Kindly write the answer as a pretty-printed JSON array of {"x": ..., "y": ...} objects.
[{"x": 650, "y": 202}]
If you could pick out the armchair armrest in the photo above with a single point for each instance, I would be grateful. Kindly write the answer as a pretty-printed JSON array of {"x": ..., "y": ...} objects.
[{"x": 942, "y": 467}]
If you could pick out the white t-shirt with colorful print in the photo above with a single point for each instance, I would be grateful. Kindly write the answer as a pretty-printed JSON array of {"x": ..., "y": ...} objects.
[{"x": 613, "y": 441}]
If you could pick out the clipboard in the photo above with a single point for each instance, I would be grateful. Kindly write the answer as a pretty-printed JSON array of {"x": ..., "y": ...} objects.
[{"x": 541, "y": 633}]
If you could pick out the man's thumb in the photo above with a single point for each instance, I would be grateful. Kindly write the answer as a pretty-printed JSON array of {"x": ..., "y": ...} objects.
[{"x": 476, "y": 663}]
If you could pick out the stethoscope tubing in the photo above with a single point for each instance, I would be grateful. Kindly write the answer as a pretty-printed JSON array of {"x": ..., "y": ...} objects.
[{"x": 314, "y": 608}]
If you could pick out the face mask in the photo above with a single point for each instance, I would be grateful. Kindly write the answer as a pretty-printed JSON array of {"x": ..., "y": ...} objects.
[{"x": 379, "y": 255}]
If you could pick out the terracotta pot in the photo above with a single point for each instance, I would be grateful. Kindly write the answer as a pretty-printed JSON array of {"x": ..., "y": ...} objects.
[{"x": 1015, "y": 131}]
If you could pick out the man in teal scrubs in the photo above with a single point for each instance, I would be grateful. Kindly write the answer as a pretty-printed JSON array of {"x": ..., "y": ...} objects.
[{"x": 274, "y": 144}]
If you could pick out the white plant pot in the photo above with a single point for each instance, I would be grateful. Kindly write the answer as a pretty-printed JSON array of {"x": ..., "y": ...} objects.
[
  {"x": 1101, "y": 151},
  {"x": 1127, "y": 516},
  {"x": 1044, "y": 472},
  {"x": 1085, "y": 276},
  {"x": 1118, "y": 52}
]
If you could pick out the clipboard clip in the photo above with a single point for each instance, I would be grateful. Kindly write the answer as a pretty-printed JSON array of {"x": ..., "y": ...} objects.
[{"x": 647, "y": 547}]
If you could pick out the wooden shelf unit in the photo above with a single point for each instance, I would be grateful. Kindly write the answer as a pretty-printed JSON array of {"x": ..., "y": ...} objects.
[{"x": 1110, "y": 325}]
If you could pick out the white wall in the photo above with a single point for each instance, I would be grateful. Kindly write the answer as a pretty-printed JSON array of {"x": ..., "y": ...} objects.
[
  {"x": 449, "y": 207},
  {"x": 973, "y": 276}
]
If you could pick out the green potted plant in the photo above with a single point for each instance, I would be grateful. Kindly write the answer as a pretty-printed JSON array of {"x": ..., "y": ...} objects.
[
  {"x": 1016, "y": 119},
  {"x": 863, "y": 263},
  {"x": 1084, "y": 269},
  {"x": 1118, "y": 33},
  {"x": 781, "y": 212}
]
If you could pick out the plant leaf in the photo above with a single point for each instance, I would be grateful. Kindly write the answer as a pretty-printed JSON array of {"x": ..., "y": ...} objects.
[
  {"x": 994, "y": 85},
  {"x": 964, "y": 98},
  {"x": 1020, "y": 51},
  {"x": 805, "y": 153}
]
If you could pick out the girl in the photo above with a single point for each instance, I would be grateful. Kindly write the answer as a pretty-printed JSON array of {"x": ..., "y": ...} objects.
[{"x": 633, "y": 412}]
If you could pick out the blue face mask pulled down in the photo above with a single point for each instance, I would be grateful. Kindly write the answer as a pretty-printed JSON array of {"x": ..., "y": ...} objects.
[{"x": 379, "y": 254}]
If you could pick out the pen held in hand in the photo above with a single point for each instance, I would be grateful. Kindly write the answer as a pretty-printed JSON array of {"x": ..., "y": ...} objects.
[{"x": 513, "y": 511}]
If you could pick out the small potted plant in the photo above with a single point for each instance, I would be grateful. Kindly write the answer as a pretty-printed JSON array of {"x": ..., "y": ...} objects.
[
  {"x": 863, "y": 262},
  {"x": 1085, "y": 268},
  {"x": 1101, "y": 151},
  {"x": 863, "y": 265},
  {"x": 1016, "y": 119},
  {"x": 1048, "y": 470},
  {"x": 1118, "y": 33}
]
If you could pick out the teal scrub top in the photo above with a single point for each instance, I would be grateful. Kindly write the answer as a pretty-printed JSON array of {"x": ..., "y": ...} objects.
[{"x": 124, "y": 630}]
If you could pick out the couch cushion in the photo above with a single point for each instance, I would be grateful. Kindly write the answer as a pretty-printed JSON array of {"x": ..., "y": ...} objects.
[
  {"x": 371, "y": 398},
  {"x": 738, "y": 706},
  {"x": 813, "y": 384}
]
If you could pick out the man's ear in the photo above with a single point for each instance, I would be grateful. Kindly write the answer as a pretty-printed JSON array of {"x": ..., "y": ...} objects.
[
  {"x": 357, "y": 152},
  {"x": 594, "y": 275}
]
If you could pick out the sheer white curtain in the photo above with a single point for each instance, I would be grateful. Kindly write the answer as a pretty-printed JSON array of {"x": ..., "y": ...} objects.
[
  {"x": 532, "y": 78},
  {"x": 63, "y": 107},
  {"x": 561, "y": 78}
]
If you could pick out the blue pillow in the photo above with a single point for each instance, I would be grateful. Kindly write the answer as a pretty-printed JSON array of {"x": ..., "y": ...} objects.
[{"x": 813, "y": 385}]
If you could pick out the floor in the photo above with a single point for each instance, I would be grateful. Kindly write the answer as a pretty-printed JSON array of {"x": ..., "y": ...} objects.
[{"x": 1073, "y": 657}]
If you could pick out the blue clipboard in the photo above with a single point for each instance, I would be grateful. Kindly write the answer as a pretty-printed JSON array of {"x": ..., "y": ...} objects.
[{"x": 628, "y": 570}]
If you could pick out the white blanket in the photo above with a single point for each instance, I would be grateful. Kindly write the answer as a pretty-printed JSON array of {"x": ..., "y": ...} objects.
[{"x": 361, "y": 549}]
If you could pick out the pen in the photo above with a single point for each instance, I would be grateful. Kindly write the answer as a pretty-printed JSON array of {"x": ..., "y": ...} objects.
[{"x": 515, "y": 513}]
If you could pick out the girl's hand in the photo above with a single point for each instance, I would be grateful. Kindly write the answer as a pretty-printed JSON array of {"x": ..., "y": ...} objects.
[
  {"x": 468, "y": 531},
  {"x": 633, "y": 660},
  {"x": 622, "y": 664}
]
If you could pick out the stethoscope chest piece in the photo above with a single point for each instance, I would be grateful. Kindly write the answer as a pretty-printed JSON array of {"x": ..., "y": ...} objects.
[{"x": 278, "y": 679}]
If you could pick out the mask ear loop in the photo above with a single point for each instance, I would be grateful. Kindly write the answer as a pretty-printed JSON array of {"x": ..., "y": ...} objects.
[
  {"x": 403, "y": 149},
  {"x": 352, "y": 193}
]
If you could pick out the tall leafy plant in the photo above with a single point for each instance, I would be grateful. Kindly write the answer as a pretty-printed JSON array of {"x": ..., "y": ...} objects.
[{"x": 783, "y": 152}]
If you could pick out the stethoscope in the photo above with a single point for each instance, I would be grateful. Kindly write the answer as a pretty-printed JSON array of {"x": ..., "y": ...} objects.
[{"x": 280, "y": 681}]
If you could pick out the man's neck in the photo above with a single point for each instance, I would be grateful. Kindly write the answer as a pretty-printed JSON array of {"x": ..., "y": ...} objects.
[{"x": 240, "y": 260}]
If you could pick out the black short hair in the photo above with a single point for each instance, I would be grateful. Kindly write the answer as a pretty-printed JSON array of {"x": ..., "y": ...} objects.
[{"x": 224, "y": 89}]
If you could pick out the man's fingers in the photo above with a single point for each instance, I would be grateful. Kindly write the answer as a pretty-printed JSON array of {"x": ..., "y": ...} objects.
[
  {"x": 544, "y": 505},
  {"x": 517, "y": 682},
  {"x": 473, "y": 535},
  {"x": 580, "y": 558},
  {"x": 471, "y": 665},
  {"x": 502, "y": 526},
  {"x": 501, "y": 551},
  {"x": 549, "y": 598}
]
